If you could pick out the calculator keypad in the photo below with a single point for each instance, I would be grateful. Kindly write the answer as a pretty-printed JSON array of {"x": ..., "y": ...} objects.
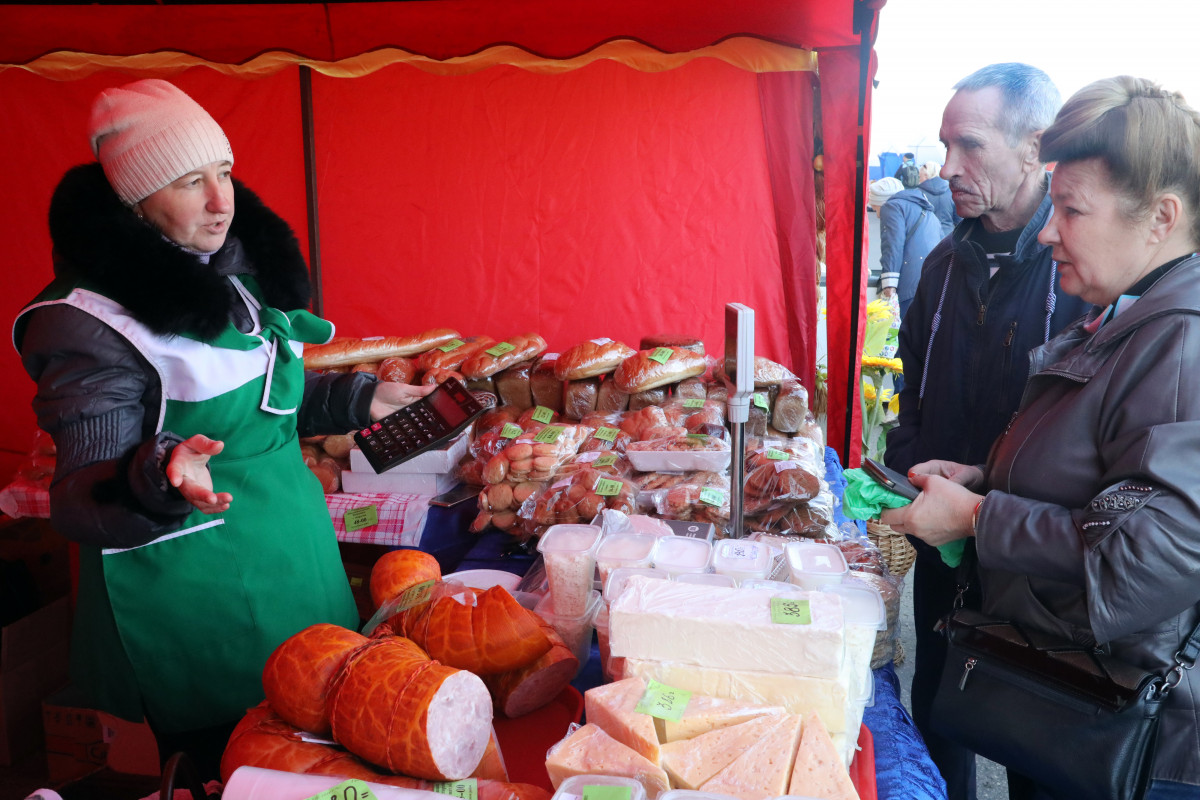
[{"x": 415, "y": 428}]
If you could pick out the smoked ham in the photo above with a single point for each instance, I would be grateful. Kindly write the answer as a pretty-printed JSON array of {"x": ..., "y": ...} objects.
[
  {"x": 518, "y": 692},
  {"x": 394, "y": 706},
  {"x": 297, "y": 675},
  {"x": 398, "y": 570}
]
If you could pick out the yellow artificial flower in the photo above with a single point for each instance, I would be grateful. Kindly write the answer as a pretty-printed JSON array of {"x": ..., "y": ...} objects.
[
  {"x": 894, "y": 404},
  {"x": 869, "y": 391},
  {"x": 878, "y": 362}
]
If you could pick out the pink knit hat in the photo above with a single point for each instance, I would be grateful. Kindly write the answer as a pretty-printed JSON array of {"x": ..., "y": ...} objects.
[{"x": 148, "y": 133}]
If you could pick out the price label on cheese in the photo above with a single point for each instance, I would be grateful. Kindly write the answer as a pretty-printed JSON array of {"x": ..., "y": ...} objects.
[
  {"x": 362, "y": 517},
  {"x": 549, "y": 434},
  {"x": 500, "y": 349},
  {"x": 542, "y": 414},
  {"x": 790, "y": 611},
  {"x": 467, "y": 788},
  {"x": 776, "y": 455},
  {"x": 713, "y": 497},
  {"x": 760, "y": 400},
  {"x": 664, "y": 702},
  {"x": 353, "y": 789},
  {"x": 607, "y": 487},
  {"x": 606, "y": 460},
  {"x": 510, "y": 431},
  {"x": 606, "y": 434},
  {"x": 693, "y": 402},
  {"x": 607, "y": 793},
  {"x": 414, "y": 595},
  {"x": 661, "y": 354},
  {"x": 453, "y": 344}
]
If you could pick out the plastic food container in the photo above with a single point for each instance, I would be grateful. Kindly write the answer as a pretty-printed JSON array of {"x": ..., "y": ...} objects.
[
  {"x": 679, "y": 460},
  {"x": 572, "y": 787},
  {"x": 575, "y": 630},
  {"x": 707, "y": 579},
  {"x": 778, "y": 586},
  {"x": 815, "y": 564},
  {"x": 611, "y": 667},
  {"x": 623, "y": 550},
  {"x": 691, "y": 794},
  {"x": 618, "y": 577},
  {"x": 866, "y": 617},
  {"x": 569, "y": 554},
  {"x": 680, "y": 554},
  {"x": 742, "y": 560}
]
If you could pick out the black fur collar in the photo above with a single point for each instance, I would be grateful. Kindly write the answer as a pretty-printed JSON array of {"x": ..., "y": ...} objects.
[{"x": 98, "y": 240}]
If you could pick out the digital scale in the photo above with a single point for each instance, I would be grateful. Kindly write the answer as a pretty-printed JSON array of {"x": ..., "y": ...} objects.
[{"x": 739, "y": 370}]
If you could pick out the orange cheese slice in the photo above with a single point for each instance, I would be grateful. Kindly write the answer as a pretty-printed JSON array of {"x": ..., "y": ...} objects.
[
  {"x": 591, "y": 751},
  {"x": 818, "y": 771},
  {"x": 761, "y": 771},
  {"x": 611, "y": 706},
  {"x": 691, "y": 762},
  {"x": 707, "y": 712}
]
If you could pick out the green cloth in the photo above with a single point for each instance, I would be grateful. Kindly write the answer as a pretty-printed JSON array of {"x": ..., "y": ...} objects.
[{"x": 864, "y": 498}]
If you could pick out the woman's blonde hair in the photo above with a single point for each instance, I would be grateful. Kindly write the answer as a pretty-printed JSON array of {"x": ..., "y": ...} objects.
[{"x": 1147, "y": 137}]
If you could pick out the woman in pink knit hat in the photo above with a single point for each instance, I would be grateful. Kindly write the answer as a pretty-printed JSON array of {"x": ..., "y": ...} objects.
[{"x": 166, "y": 352}]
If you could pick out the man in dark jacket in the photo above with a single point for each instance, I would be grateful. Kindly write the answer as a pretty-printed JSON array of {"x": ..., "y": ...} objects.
[
  {"x": 909, "y": 229},
  {"x": 937, "y": 192},
  {"x": 989, "y": 293}
]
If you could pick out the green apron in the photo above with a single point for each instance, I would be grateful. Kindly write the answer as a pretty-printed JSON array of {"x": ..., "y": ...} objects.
[{"x": 181, "y": 627}]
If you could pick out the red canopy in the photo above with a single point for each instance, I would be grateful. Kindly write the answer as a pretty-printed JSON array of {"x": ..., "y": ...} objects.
[{"x": 617, "y": 168}]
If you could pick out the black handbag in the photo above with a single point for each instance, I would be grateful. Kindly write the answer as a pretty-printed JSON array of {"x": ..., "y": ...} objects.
[{"x": 1073, "y": 720}]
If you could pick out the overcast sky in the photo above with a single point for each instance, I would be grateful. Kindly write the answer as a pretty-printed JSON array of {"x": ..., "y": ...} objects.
[{"x": 925, "y": 46}]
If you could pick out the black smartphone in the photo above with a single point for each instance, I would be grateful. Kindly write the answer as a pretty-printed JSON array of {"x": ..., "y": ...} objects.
[{"x": 890, "y": 478}]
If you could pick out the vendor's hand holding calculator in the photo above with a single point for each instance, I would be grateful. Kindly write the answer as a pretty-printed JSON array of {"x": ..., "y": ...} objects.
[{"x": 424, "y": 425}]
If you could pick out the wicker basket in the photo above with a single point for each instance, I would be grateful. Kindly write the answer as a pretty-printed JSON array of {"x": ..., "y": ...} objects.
[{"x": 898, "y": 552}]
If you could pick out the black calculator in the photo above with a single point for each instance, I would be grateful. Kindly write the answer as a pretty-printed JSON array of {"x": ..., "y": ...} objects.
[{"x": 424, "y": 425}]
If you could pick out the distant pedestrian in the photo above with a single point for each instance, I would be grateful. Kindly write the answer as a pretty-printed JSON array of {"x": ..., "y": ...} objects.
[
  {"x": 909, "y": 229},
  {"x": 937, "y": 191}
]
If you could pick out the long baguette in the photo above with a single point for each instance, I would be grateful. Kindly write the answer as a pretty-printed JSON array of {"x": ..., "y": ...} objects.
[
  {"x": 355, "y": 351},
  {"x": 436, "y": 358},
  {"x": 483, "y": 364}
]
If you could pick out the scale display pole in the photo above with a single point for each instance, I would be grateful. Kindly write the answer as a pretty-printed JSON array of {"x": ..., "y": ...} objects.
[{"x": 739, "y": 369}]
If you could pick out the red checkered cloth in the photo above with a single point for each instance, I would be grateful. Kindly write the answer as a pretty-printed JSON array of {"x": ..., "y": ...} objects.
[
  {"x": 26, "y": 498},
  {"x": 401, "y": 517}
]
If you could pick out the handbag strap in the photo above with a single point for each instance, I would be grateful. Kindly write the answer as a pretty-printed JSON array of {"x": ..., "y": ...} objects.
[{"x": 1185, "y": 657}]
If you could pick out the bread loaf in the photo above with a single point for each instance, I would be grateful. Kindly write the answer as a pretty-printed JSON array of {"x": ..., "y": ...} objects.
[
  {"x": 341, "y": 352},
  {"x": 453, "y": 358},
  {"x": 545, "y": 386},
  {"x": 611, "y": 398},
  {"x": 591, "y": 358},
  {"x": 691, "y": 389},
  {"x": 672, "y": 340},
  {"x": 650, "y": 397},
  {"x": 649, "y": 369},
  {"x": 438, "y": 375},
  {"x": 791, "y": 407},
  {"x": 397, "y": 370},
  {"x": 770, "y": 373},
  {"x": 579, "y": 397},
  {"x": 512, "y": 384},
  {"x": 503, "y": 355}
]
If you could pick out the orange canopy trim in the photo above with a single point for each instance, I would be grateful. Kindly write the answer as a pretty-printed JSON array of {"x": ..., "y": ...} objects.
[{"x": 746, "y": 53}]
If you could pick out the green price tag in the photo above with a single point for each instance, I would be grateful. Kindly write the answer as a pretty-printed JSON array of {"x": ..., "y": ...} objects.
[
  {"x": 790, "y": 612},
  {"x": 698, "y": 437},
  {"x": 607, "y": 487},
  {"x": 606, "y": 434},
  {"x": 543, "y": 414},
  {"x": 664, "y": 702},
  {"x": 358, "y": 518},
  {"x": 760, "y": 400},
  {"x": 549, "y": 434},
  {"x": 467, "y": 788},
  {"x": 606, "y": 460},
  {"x": 414, "y": 595},
  {"x": 693, "y": 402},
  {"x": 661, "y": 354},
  {"x": 510, "y": 431},
  {"x": 713, "y": 497},
  {"x": 776, "y": 455},
  {"x": 606, "y": 793},
  {"x": 453, "y": 344},
  {"x": 500, "y": 349},
  {"x": 353, "y": 789}
]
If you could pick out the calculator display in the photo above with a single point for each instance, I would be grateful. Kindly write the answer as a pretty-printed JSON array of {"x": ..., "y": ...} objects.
[{"x": 447, "y": 403}]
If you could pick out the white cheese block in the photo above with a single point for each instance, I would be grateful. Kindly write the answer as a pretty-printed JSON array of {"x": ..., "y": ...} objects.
[
  {"x": 798, "y": 694},
  {"x": 712, "y": 626}
]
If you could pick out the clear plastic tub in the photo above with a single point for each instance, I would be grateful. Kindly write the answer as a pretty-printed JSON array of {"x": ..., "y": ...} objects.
[
  {"x": 616, "y": 580},
  {"x": 707, "y": 579},
  {"x": 611, "y": 667},
  {"x": 742, "y": 560},
  {"x": 815, "y": 564},
  {"x": 866, "y": 617},
  {"x": 572, "y": 787},
  {"x": 778, "y": 586},
  {"x": 575, "y": 630},
  {"x": 623, "y": 550},
  {"x": 680, "y": 554},
  {"x": 569, "y": 555}
]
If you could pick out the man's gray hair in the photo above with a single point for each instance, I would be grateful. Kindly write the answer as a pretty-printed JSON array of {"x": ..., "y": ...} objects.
[{"x": 1031, "y": 100}]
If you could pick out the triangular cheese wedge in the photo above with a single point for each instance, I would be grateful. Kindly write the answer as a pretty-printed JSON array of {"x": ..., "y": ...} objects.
[
  {"x": 706, "y": 712},
  {"x": 818, "y": 771},
  {"x": 691, "y": 762},
  {"x": 611, "y": 706},
  {"x": 591, "y": 751},
  {"x": 761, "y": 771}
]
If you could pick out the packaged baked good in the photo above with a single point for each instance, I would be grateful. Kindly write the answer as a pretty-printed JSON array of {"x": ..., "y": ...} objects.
[
  {"x": 680, "y": 453},
  {"x": 683, "y": 340},
  {"x": 579, "y": 397},
  {"x": 791, "y": 406},
  {"x": 535, "y": 456},
  {"x": 513, "y": 385},
  {"x": 347, "y": 351},
  {"x": 546, "y": 388},
  {"x": 610, "y": 398},
  {"x": 661, "y": 366},
  {"x": 502, "y": 355},
  {"x": 579, "y": 497},
  {"x": 591, "y": 358},
  {"x": 650, "y": 397},
  {"x": 452, "y": 354}
]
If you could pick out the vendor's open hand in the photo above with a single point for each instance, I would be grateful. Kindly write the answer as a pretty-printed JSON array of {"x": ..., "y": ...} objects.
[
  {"x": 390, "y": 397},
  {"x": 188, "y": 472},
  {"x": 962, "y": 474},
  {"x": 940, "y": 514}
]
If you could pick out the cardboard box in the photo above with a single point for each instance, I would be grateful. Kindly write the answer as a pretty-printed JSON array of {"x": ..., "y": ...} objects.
[
  {"x": 33, "y": 664},
  {"x": 82, "y": 740},
  {"x": 422, "y": 483},
  {"x": 437, "y": 461}
]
